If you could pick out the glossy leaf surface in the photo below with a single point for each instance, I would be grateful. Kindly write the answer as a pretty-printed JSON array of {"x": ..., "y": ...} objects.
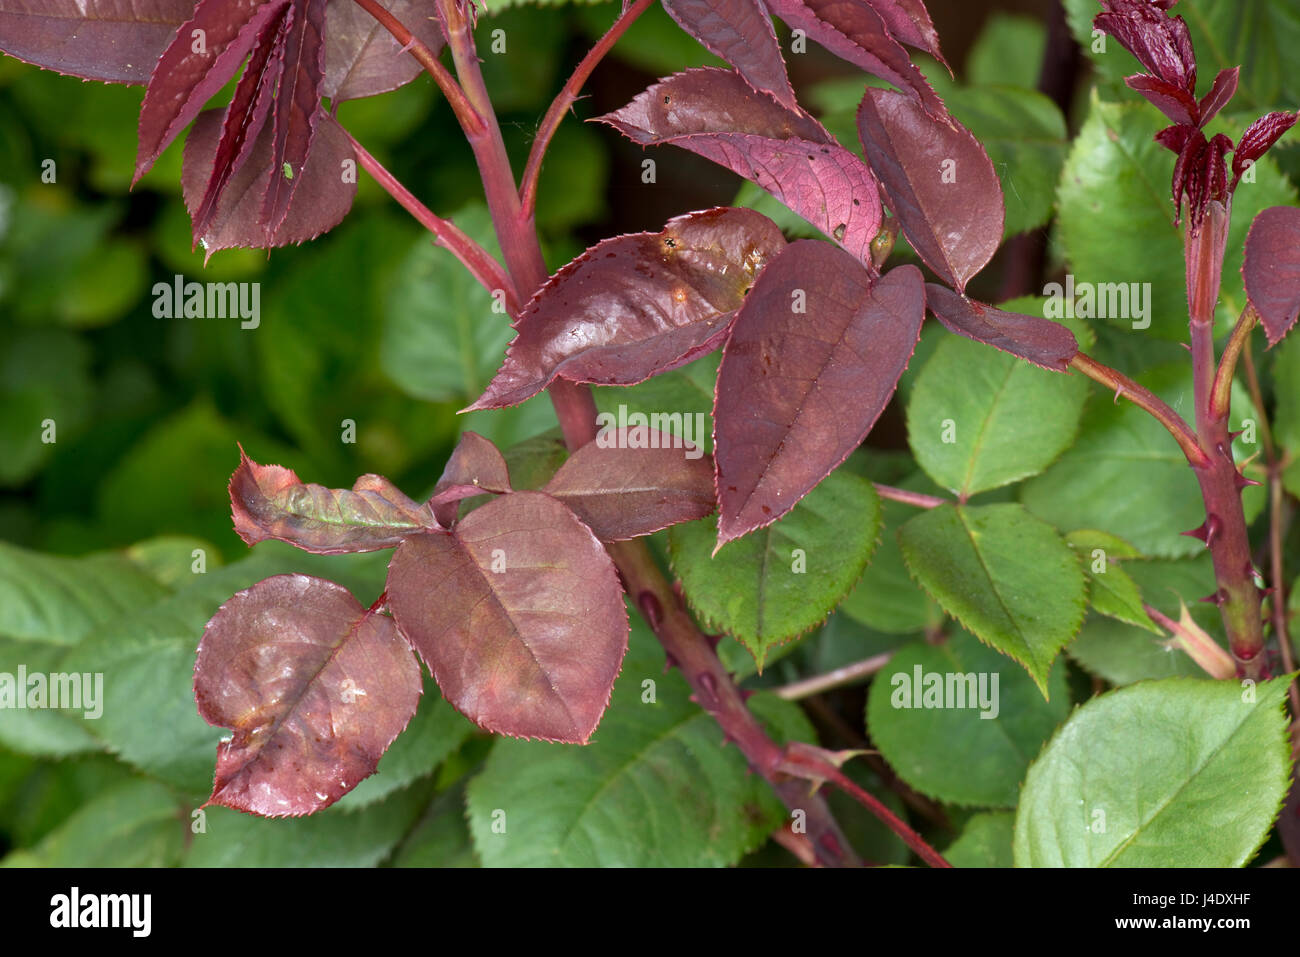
[
  {"x": 815, "y": 355},
  {"x": 634, "y": 306},
  {"x": 938, "y": 181},
  {"x": 1185, "y": 773},
  {"x": 716, "y": 114},
  {"x": 634, "y": 481},
  {"x": 323, "y": 687},
  {"x": 519, "y": 615}
]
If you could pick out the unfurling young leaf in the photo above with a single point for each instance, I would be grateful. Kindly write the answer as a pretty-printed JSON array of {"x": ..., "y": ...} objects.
[
  {"x": 324, "y": 686},
  {"x": 518, "y": 613},
  {"x": 635, "y": 481},
  {"x": 634, "y": 306},
  {"x": 815, "y": 355},
  {"x": 322, "y": 196},
  {"x": 269, "y": 501}
]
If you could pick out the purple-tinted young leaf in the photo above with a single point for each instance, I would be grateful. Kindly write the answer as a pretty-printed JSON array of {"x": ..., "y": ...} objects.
[
  {"x": 1258, "y": 139},
  {"x": 1220, "y": 94},
  {"x": 1271, "y": 270},
  {"x": 363, "y": 59},
  {"x": 245, "y": 115},
  {"x": 939, "y": 182},
  {"x": 637, "y": 305},
  {"x": 740, "y": 32},
  {"x": 1174, "y": 138},
  {"x": 1161, "y": 43},
  {"x": 910, "y": 23},
  {"x": 116, "y": 41},
  {"x": 314, "y": 687},
  {"x": 812, "y": 360},
  {"x": 476, "y": 467},
  {"x": 1041, "y": 341},
  {"x": 1173, "y": 101},
  {"x": 635, "y": 481},
  {"x": 204, "y": 55},
  {"x": 518, "y": 613},
  {"x": 1201, "y": 174},
  {"x": 270, "y": 501},
  {"x": 320, "y": 202},
  {"x": 855, "y": 32},
  {"x": 297, "y": 108},
  {"x": 715, "y": 113}
]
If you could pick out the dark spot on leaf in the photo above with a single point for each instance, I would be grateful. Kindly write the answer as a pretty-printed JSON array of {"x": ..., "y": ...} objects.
[{"x": 766, "y": 510}]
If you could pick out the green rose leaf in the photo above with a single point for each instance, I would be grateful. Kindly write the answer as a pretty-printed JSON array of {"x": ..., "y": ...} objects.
[
  {"x": 1172, "y": 773},
  {"x": 1005, "y": 575}
]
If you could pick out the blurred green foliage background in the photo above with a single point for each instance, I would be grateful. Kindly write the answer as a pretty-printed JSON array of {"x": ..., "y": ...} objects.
[{"x": 372, "y": 332}]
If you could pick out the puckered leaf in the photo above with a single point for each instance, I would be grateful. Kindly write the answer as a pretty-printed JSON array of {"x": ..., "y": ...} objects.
[
  {"x": 1170, "y": 773},
  {"x": 476, "y": 467},
  {"x": 519, "y": 615},
  {"x": 363, "y": 59},
  {"x": 1271, "y": 269},
  {"x": 855, "y": 31},
  {"x": 320, "y": 689},
  {"x": 634, "y": 306},
  {"x": 739, "y": 31},
  {"x": 634, "y": 481},
  {"x": 205, "y": 53},
  {"x": 938, "y": 180},
  {"x": 109, "y": 40},
  {"x": 1041, "y": 341},
  {"x": 269, "y": 501},
  {"x": 1005, "y": 575},
  {"x": 716, "y": 114},
  {"x": 816, "y": 353},
  {"x": 321, "y": 199}
]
